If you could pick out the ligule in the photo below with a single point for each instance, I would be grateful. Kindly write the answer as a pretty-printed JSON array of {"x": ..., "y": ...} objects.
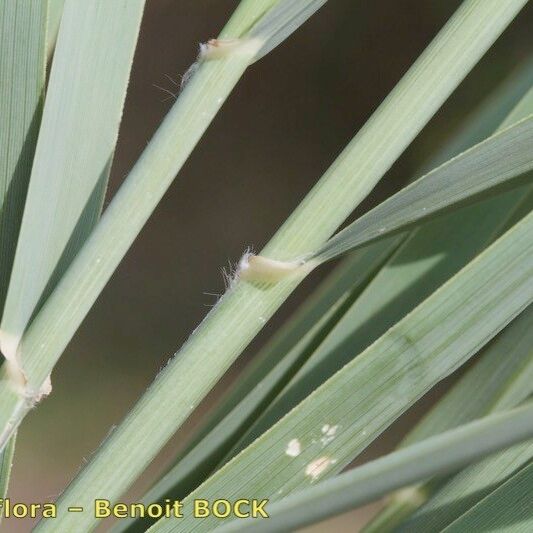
[
  {"x": 222, "y": 48},
  {"x": 259, "y": 269}
]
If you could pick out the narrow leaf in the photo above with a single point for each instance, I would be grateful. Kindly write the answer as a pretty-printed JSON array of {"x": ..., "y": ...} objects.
[
  {"x": 508, "y": 508},
  {"x": 204, "y": 358},
  {"x": 86, "y": 94},
  {"x": 436, "y": 455},
  {"x": 466, "y": 489},
  {"x": 22, "y": 77},
  {"x": 369, "y": 393},
  {"x": 500, "y": 379},
  {"x": 486, "y": 166}
]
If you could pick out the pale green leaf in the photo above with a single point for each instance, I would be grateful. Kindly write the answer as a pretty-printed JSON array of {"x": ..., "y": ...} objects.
[
  {"x": 466, "y": 489},
  {"x": 475, "y": 172},
  {"x": 488, "y": 165},
  {"x": 242, "y": 312},
  {"x": 369, "y": 393},
  {"x": 22, "y": 77},
  {"x": 85, "y": 96},
  {"x": 500, "y": 379},
  {"x": 436, "y": 455},
  {"x": 508, "y": 508}
]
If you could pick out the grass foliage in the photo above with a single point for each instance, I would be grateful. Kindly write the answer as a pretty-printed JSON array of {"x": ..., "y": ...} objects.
[{"x": 436, "y": 275}]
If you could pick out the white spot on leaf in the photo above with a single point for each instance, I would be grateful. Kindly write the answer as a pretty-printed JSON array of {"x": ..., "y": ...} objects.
[
  {"x": 318, "y": 467},
  {"x": 328, "y": 433},
  {"x": 293, "y": 448}
]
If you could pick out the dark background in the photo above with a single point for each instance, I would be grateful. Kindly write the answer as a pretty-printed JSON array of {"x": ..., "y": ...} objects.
[{"x": 284, "y": 124}]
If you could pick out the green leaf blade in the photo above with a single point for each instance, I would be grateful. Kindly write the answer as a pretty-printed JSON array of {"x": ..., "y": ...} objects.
[
  {"x": 508, "y": 508},
  {"x": 500, "y": 379},
  {"x": 22, "y": 78},
  {"x": 436, "y": 455},
  {"x": 488, "y": 165},
  {"x": 467, "y": 488},
  {"x": 188, "y": 378},
  {"x": 369, "y": 393},
  {"x": 86, "y": 94}
]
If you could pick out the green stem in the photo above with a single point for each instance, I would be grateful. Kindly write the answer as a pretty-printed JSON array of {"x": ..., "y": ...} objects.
[
  {"x": 52, "y": 329},
  {"x": 241, "y": 313}
]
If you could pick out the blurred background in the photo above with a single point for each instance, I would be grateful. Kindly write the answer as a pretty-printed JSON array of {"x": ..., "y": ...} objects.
[{"x": 290, "y": 116}]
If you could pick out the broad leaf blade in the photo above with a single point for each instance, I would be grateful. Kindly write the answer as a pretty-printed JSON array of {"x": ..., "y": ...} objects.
[
  {"x": 466, "y": 489},
  {"x": 501, "y": 378}
]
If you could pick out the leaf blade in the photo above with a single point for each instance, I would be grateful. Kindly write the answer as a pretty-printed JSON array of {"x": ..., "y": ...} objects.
[
  {"x": 86, "y": 93},
  {"x": 488, "y": 165},
  {"x": 375, "y": 388},
  {"x": 260, "y": 374},
  {"x": 506, "y": 509},
  {"x": 499, "y": 380},
  {"x": 434, "y": 456},
  {"x": 22, "y": 79}
]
